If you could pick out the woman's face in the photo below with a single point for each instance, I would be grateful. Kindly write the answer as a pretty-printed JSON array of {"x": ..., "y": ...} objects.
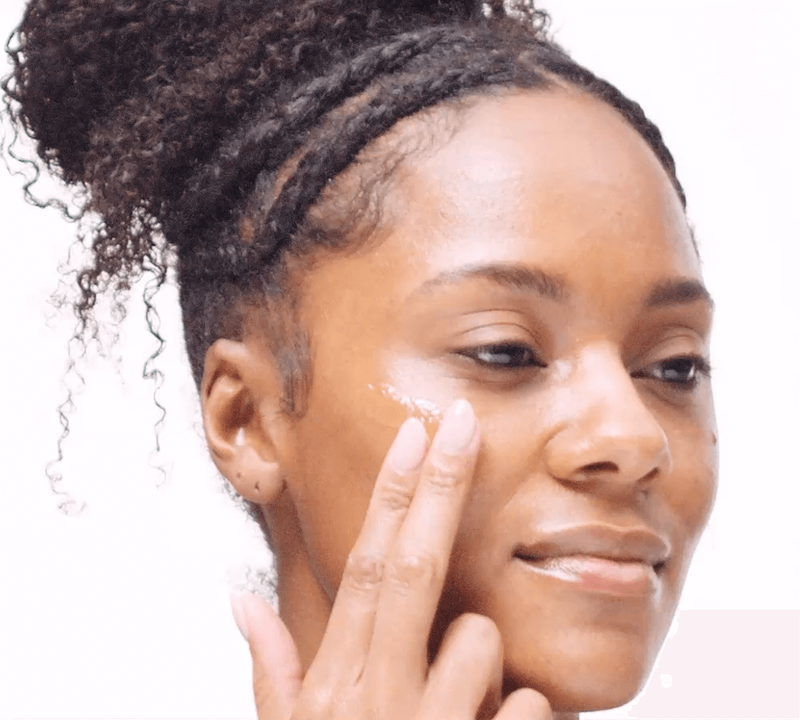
[{"x": 537, "y": 263}]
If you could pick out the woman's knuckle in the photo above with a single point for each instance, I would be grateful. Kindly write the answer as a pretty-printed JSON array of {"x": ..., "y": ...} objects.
[
  {"x": 363, "y": 571},
  {"x": 395, "y": 497},
  {"x": 445, "y": 476},
  {"x": 413, "y": 572}
]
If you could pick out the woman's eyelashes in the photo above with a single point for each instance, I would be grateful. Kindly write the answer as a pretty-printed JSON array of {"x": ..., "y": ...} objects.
[
  {"x": 503, "y": 356},
  {"x": 682, "y": 372}
]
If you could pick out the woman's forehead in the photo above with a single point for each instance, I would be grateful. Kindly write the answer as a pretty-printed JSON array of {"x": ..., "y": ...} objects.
[
  {"x": 534, "y": 185},
  {"x": 551, "y": 178},
  {"x": 540, "y": 146}
]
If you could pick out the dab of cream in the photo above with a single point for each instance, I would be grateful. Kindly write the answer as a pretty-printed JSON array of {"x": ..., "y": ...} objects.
[
  {"x": 561, "y": 371},
  {"x": 415, "y": 405}
]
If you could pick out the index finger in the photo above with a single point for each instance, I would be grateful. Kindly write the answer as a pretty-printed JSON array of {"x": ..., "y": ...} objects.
[{"x": 417, "y": 566}]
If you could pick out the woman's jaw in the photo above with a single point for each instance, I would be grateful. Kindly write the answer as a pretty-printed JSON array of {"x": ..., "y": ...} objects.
[{"x": 537, "y": 263}]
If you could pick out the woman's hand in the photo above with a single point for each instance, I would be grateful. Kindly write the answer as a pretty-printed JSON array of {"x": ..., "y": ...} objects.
[{"x": 373, "y": 659}]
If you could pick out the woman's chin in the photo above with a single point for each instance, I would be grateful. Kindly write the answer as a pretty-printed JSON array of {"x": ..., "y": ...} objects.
[
  {"x": 579, "y": 697},
  {"x": 596, "y": 674}
]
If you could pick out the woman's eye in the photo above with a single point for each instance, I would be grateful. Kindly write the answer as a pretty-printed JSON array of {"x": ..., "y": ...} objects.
[
  {"x": 683, "y": 372},
  {"x": 504, "y": 356}
]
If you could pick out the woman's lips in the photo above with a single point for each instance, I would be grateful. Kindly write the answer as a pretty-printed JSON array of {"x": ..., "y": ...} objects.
[
  {"x": 599, "y": 557},
  {"x": 613, "y": 577}
]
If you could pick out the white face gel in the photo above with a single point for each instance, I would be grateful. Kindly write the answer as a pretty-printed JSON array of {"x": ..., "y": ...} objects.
[
  {"x": 417, "y": 406},
  {"x": 561, "y": 370}
]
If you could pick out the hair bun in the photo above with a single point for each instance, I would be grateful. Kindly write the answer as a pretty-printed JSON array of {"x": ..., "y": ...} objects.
[
  {"x": 439, "y": 9},
  {"x": 79, "y": 59}
]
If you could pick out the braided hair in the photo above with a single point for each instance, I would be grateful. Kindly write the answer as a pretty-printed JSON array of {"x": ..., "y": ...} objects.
[{"x": 209, "y": 134}]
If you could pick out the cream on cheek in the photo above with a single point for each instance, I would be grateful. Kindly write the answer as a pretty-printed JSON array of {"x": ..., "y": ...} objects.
[
  {"x": 561, "y": 371},
  {"x": 416, "y": 404},
  {"x": 426, "y": 410},
  {"x": 409, "y": 386}
]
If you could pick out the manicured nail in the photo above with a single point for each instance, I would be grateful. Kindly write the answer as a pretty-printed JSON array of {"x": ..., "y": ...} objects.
[
  {"x": 240, "y": 614},
  {"x": 457, "y": 428},
  {"x": 409, "y": 447}
]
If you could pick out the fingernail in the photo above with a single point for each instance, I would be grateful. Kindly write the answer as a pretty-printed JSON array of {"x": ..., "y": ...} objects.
[
  {"x": 409, "y": 447},
  {"x": 240, "y": 614},
  {"x": 457, "y": 428}
]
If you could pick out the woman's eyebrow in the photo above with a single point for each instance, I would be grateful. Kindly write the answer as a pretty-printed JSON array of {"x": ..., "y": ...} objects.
[
  {"x": 515, "y": 276},
  {"x": 678, "y": 292},
  {"x": 510, "y": 275}
]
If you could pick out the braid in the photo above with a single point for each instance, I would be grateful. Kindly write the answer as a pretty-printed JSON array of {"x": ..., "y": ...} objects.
[
  {"x": 270, "y": 143},
  {"x": 325, "y": 159}
]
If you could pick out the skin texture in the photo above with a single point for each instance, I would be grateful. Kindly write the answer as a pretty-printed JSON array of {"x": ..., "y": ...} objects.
[{"x": 587, "y": 431}]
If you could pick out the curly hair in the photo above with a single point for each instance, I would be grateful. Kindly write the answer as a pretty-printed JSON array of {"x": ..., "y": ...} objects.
[{"x": 211, "y": 132}]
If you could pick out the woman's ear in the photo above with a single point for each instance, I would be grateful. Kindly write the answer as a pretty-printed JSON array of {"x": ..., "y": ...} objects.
[{"x": 240, "y": 397}]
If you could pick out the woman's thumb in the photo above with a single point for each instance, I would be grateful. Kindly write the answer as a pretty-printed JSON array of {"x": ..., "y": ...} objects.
[{"x": 277, "y": 674}]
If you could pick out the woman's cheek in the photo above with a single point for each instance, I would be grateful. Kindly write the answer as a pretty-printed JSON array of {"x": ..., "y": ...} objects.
[
  {"x": 340, "y": 446},
  {"x": 695, "y": 455},
  {"x": 334, "y": 468}
]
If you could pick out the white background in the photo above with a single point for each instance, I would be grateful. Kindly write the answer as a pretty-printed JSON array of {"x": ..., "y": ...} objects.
[{"x": 122, "y": 610}]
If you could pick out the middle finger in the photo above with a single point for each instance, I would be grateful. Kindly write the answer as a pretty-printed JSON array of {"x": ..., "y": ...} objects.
[{"x": 417, "y": 565}]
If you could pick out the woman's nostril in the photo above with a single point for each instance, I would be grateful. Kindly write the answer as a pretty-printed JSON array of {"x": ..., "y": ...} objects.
[
  {"x": 651, "y": 475},
  {"x": 600, "y": 467}
]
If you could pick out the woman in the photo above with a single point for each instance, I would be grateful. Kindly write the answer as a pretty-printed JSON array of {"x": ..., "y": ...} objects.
[{"x": 407, "y": 210}]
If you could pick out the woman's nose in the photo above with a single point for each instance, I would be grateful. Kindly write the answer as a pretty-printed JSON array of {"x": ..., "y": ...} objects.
[{"x": 605, "y": 432}]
